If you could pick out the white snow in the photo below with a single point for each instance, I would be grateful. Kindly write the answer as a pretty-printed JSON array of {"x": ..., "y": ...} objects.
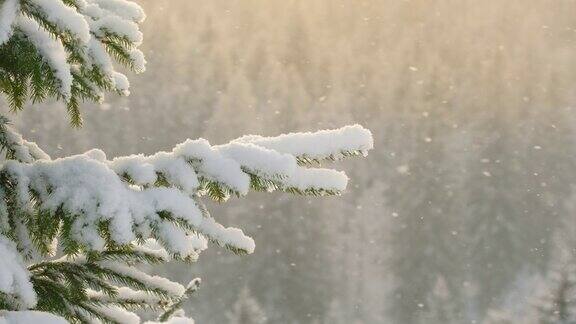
[
  {"x": 64, "y": 17},
  {"x": 8, "y": 12},
  {"x": 93, "y": 192},
  {"x": 24, "y": 151},
  {"x": 14, "y": 277},
  {"x": 122, "y": 8},
  {"x": 319, "y": 179},
  {"x": 171, "y": 287},
  {"x": 99, "y": 57},
  {"x": 194, "y": 284},
  {"x": 125, "y": 293},
  {"x": 318, "y": 145},
  {"x": 186, "y": 244},
  {"x": 51, "y": 50},
  {"x": 121, "y": 83},
  {"x": 182, "y": 207},
  {"x": 118, "y": 314},
  {"x": 213, "y": 165},
  {"x": 151, "y": 246},
  {"x": 143, "y": 170},
  {"x": 35, "y": 151},
  {"x": 176, "y": 170},
  {"x": 136, "y": 167},
  {"x": 260, "y": 160},
  {"x": 118, "y": 26},
  {"x": 138, "y": 60}
]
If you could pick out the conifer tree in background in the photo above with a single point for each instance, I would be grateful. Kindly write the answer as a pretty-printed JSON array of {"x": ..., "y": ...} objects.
[
  {"x": 73, "y": 231},
  {"x": 442, "y": 308},
  {"x": 556, "y": 303},
  {"x": 246, "y": 310},
  {"x": 543, "y": 299},
  {"x": 555, "y": 300},
  {"x": 424, "y": 227}
]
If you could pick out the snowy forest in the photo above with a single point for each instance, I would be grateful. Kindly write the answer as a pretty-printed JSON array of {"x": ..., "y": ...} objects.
[{"x": 464, "y": 211}]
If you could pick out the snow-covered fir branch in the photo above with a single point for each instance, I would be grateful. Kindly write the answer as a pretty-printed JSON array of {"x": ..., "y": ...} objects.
[
  {"x": 74, "y": 231},
  {"x": 87, "y": 205},
  {"x": 67, "y": 49}
]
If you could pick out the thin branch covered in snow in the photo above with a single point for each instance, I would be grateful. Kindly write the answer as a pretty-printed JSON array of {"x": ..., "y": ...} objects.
[
  {"x": 64, "y": 18},
  {"x": 218, "y": 171},
  {"x": 175, "y": 308},
  {"x": 323, "y": 145},
  {"x": 17, "y": 148},
  {"x": 52, "y": 50}
]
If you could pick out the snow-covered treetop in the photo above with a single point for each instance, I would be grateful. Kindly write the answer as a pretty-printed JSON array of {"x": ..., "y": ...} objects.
[{"x": 66, "y": 49}]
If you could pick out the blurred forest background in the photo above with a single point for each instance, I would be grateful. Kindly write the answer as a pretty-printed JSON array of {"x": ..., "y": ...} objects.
[{"x": 464, "y": 213}]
